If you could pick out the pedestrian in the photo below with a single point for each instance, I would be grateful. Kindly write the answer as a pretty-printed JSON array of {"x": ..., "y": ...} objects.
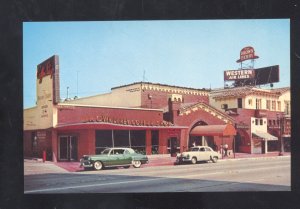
[
  {"x": 215, "y": 147},
  {"x": 221, "y": 149},
  {"x": 225, "y": 149}
]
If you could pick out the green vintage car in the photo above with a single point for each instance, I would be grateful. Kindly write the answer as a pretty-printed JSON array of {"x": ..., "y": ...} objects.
[{"x": 114, "y": 157}]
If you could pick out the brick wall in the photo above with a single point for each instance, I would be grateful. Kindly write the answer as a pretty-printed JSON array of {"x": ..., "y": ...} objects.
[
  {"x": 43, "y": 144},
  {"x": 159, "y": 99}
]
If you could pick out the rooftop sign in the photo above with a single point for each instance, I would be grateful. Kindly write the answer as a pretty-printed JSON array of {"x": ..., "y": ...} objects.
[
  {"x": 232, "y": 75},
  {"x": 247, "y": 53}
]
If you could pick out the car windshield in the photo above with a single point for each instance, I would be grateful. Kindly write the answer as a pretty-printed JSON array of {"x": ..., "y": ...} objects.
[
  {"x": 105, "y": 152},
  {"x": 194, "y": 149}
]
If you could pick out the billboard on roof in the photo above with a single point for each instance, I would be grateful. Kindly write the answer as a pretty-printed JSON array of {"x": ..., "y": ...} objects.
[
  {"x": 231, "y": 75},
  {"x": 252, "y": 77},
  {"x": 267, "y": 75}
]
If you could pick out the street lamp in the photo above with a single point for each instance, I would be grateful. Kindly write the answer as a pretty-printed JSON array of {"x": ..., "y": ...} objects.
[{"x": 280, "y": 120}]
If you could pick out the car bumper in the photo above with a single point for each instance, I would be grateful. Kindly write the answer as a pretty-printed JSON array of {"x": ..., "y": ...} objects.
[
  {"x": 182, "y": 160},
  {"x": 85, "y": 164}
]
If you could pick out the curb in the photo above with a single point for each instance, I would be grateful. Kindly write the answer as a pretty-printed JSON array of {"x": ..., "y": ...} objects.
[
  {"x": 222, "y": 160},
  {"x": 254, "y": 158}
]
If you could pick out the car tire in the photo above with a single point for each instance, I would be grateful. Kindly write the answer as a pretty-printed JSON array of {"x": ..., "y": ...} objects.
[
  {"x": 136, "y": 163},
  {"x": 214, "y": 159},
  {"x": 194, "y": 160},
  {"x": 98, "y": 165}
]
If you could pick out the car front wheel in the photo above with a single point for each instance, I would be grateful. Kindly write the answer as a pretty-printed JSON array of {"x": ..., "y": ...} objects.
[
  {"x": 136, "y": 163},
  {"x": 194, "y": 160},
  {"x": 214, "y": 159},
  {"x": 98, "y": 165}
]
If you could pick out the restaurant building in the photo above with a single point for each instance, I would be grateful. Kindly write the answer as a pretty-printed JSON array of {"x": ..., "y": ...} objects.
[{"x": 151, "y": 118}]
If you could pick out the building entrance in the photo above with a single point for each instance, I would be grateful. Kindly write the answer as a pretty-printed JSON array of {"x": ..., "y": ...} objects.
[
  {"x": 173, "y": 146},
  {"x": 68, "y": 148}
]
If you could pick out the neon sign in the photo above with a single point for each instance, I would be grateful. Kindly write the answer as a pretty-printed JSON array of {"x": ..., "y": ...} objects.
[
  {"x": 247, "y": 53},
  {"x": 46, "y": 68}
]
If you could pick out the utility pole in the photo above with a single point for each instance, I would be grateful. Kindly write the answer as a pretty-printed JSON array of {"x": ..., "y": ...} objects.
[
  {"x": 144, "y": 75},
  {"x": 67, "y": 92},
  {"x": 280, "y": 120},
  {"x": 77, "y": 84}
]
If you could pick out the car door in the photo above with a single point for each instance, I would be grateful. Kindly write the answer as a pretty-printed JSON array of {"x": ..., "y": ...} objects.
[
  {"x": 208, "y": 153},
  {"x": 201, "y": 154},
  {"x": 127, "y": 157},
  {"x": 117, "y": 157}
]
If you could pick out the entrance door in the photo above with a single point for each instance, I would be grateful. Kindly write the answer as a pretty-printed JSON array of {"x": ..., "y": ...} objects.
[
  {"x": 173, "y": 144},
  {"x": 68, "y": 148}
]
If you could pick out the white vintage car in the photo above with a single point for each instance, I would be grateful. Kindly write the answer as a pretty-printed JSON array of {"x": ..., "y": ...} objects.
[{"x": 198, "y": 153}]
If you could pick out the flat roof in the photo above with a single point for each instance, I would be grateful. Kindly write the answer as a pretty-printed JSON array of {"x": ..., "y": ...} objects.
[{"x": 159, "y": 84}]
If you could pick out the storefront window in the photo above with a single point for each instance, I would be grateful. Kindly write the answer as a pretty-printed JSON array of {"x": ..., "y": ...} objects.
[
  {"x": 138, "y": 141},
  {"x": 121, "y": 138},
  {"x": 103, "y": 140},
  {"x": 154, "y": 141}
]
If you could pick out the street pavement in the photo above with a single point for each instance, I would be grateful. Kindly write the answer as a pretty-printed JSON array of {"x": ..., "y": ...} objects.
[
  {"x": 37, "y": 166},
  {"x": 264, "y": 174}
]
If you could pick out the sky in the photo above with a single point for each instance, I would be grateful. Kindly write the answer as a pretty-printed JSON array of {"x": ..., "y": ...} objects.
[{"x": 99, "y": 55}]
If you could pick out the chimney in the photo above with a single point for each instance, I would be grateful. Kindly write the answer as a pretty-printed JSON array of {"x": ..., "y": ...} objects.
[{"x": 174, "y": 103}]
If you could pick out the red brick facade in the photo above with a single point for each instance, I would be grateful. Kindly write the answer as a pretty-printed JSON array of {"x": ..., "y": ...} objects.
[
  {"x": 159, "y": 99},
  {"x": 174, "y": 120}
]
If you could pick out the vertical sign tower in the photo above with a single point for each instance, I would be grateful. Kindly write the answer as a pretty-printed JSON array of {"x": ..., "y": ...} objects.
[{"x": 48, "y": 93}]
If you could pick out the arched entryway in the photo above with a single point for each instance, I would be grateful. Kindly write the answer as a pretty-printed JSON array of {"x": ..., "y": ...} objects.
[
  {"x": 214, "y": 135},
  {"x": 195, "y": 140}
]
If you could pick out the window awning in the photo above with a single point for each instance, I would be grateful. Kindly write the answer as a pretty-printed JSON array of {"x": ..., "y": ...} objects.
[
  {"x": 264, "y": 135},
  {"x": 214, "y": 130}
]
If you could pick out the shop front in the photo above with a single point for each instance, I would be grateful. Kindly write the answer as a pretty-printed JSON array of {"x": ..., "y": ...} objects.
[
  {"x": 75, "y": 140},
  {"x": 68, "y": 148},
  {"x": 261, "y": 140}
]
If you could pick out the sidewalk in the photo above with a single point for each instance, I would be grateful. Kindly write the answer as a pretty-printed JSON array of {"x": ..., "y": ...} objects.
[{"x": 162, "y": 160}]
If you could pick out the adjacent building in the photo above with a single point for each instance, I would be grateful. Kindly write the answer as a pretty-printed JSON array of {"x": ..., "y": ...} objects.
[{"x": 262, "y": 116}]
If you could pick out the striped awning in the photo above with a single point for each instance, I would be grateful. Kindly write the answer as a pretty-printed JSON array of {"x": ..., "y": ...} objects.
[{"x": 264, "y": 135}]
